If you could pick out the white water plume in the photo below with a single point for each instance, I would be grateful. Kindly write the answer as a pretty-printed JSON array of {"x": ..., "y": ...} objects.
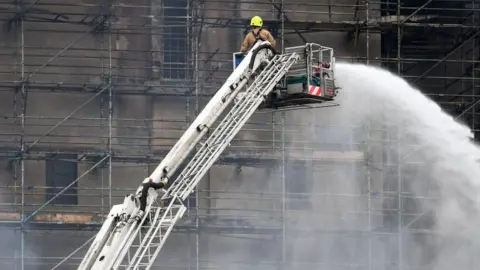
[{"x": 447, "y": 167}]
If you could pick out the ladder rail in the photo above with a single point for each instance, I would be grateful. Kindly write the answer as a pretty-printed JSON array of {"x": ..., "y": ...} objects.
[
  {"x": 138, "y": 229},
  {"x": 178, "y": 216},
  {"x": 147, "y": 241},
  {"x": 149, "y": 231}
]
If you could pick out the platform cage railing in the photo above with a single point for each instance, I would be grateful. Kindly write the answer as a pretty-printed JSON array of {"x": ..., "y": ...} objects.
[{"x": 312, "y": 56}]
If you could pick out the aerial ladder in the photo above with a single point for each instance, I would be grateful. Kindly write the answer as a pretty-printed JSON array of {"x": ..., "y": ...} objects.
[{"x": 134, "y": 232}]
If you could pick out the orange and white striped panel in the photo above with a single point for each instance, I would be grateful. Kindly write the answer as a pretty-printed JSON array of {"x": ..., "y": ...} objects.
[{"x": 314, "y": 90}]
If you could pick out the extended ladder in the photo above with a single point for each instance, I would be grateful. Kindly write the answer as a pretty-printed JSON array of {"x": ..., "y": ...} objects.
[{"x": 163, "y": 218}]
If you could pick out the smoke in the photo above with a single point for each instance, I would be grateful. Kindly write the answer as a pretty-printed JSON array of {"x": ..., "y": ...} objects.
[
  {"x": 436, "y": 161},
  {"x": 10, "y": 234}
]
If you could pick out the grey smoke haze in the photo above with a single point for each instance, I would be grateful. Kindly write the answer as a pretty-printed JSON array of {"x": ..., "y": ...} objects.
[
  {"x": 411, "y": 145},
  {"x": 446, "y": 166},
  {"x": 10, "y": 237}
]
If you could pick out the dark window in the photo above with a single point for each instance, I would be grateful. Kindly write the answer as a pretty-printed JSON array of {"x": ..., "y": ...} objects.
[
  {"x": 297, "y": 186},
  {"x": 329, "y": 138},
  {"x": 61, "y": 171},
  {"x": 192, "y": 200},
  {"x": 175, "y": 39}
]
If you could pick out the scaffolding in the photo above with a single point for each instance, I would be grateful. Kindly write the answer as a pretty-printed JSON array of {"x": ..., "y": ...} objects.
[{"x": 63, "y": 60}]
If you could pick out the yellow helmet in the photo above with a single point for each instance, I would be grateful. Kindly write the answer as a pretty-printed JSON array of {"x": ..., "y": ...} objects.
[{"x": 256, "y": 21}]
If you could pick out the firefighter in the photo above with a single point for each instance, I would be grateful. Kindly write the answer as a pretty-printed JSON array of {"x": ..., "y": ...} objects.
[{"x": 257, "y": 33}]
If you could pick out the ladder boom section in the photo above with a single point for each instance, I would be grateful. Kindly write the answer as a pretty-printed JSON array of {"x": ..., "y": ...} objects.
[
  {"x": 230, "y": 125},
  {"x": 204, "y": 158},
  {"x": 209, "y": 115},
  {"x": 126, "y": 221}
]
